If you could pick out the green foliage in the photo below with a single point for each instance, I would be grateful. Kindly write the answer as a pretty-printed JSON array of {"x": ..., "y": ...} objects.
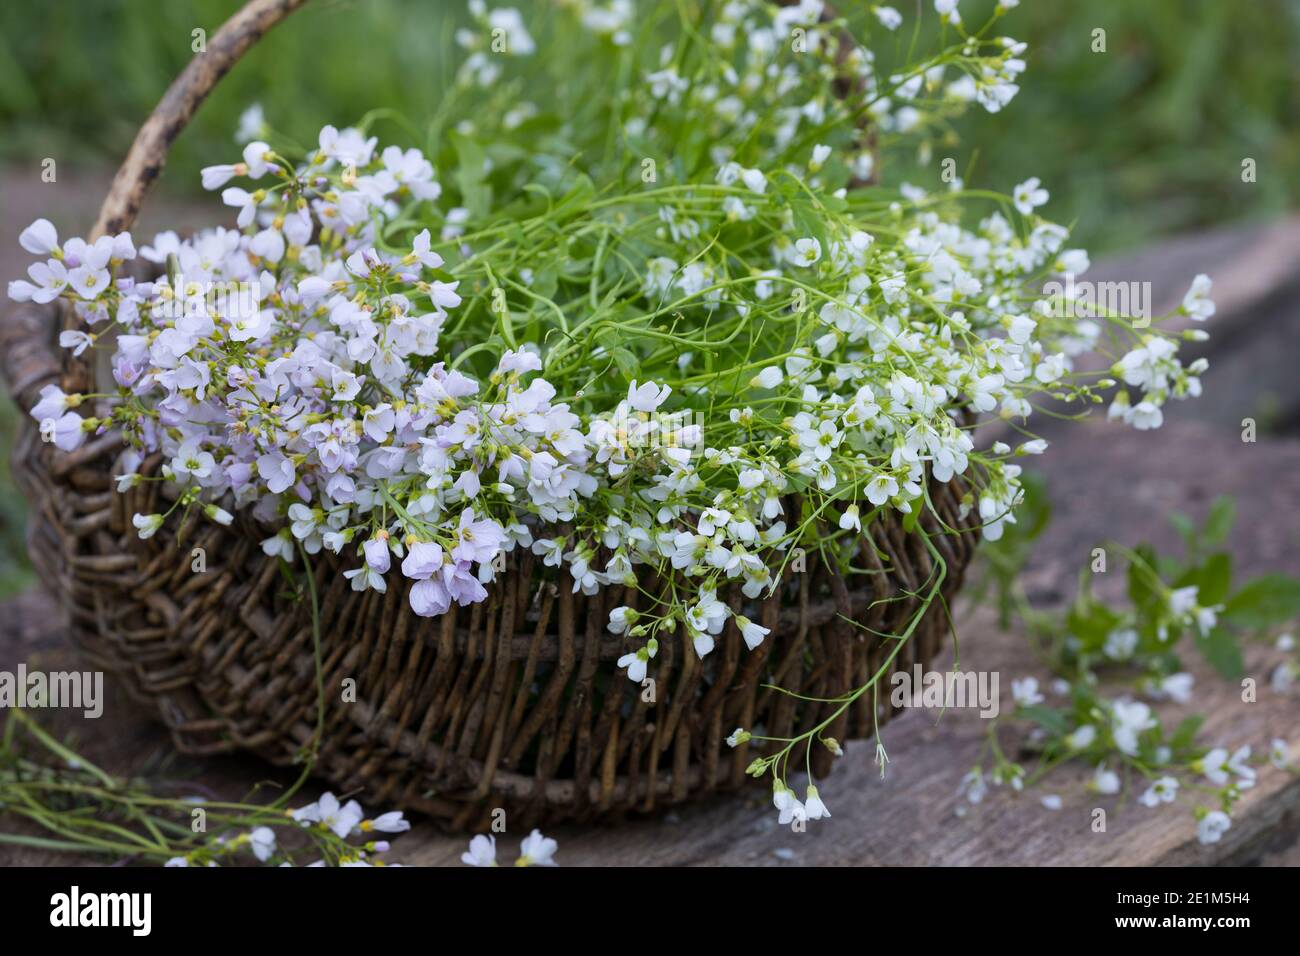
[
  {"x": 1142, "y": 140},
  {"x": 1106, "y": 657},
  {"x": 1148, "y": 138},
  {"x": 1218, "y": 619}
]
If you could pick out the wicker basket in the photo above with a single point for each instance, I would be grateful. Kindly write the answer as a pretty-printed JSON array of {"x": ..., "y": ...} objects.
[{"x": 515, "y": 703}]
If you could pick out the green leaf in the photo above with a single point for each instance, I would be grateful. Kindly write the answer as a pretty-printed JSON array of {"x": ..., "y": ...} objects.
[
  {"x": 626, "y": 361},
  {"x": 1220, "y": 650},
  {"x": 1223, "y": 512},
  {"x": 1143, "y": 590},
  {"x": 471, "y": 171},
  {"x": 1212, "y": 579},
  {"x": 1048, "y": 718},
  {"x": 1184, "y": 734},
  {"x": 1265, "y": 601},
  {"x": 1091, "y": 622},
  {"x": 1186, "y": 529}
]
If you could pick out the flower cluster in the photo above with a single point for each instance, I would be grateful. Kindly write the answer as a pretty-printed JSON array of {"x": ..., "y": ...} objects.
[
  {"x": 633, "y": 381},
  {"x": 327, "y": 821},
  {"x": 1123, "y": 734},
  {"x": 534, "y": 850}
]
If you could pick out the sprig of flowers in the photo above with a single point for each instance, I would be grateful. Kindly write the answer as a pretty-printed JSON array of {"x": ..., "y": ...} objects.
[
  {"x": 87, "y": 810},
  {"x": 534, "y": 850},
  {"x": 1106, "y": 659}
]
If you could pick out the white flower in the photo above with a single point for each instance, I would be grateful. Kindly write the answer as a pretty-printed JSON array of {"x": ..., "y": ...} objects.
[
  {"x": 769, "y": 377},
  {"x": 1162, "y": 790},
  {"x": 482, "y": 851},
  {"x": 1129, "y": 720},
  {"x": 751, "y": 632},
  {"x": 1120, "y": 644},
  {"x": 738, "y": 737},
  {"x": 806, "y": 252},
  {"x": 342, "y": 819},
  {"x": 881, "y": 488},
  {"x": 636, "y": 664},
  {"x": 1215, "y": 766},
  {"x": 1082, "y": 737},
  {"x": 1025, "y": 692},
  {"x": 1197, "y": 302},
  {"x": 391, "y": 822},
  {"x": 889, "y": 18},
  {"x": 1239, "y": 764},
  {"x": 1278, "y": 753},
  {"x": 68, "y": 431},
  {"x": 214, "y": 177},
  {"x": 620, "y": 619},
  {"x": 813, "y": 806},
  {"x": 972, "y": 786},
  {"x": 1206, "y": 618},
  {"x": 252, "y": 124},
  {"x": 40, "y": 238},
  {"x": 1213, "y": 826},
  {"x": 1146, "y": 416},
  {"x": 76, "y": 340},
  {"x": 1029, "y": 195},
  {"x": 851, "y": 519},
  {"x": 147, "y": 525},
  {"x": 1177, "y": 687},
  {"x": 49, "y": 279},
  {"x": 189, "y": 462},
  {"x": 537, "y": 850},
  {"x": 647, "y": 397},
  {"x": 820, "y": 154},
  {"x": 1182, "y": 600},
  {"x": 1052, "y": 801},
  {"x": 1105, "y": 781},
  {"x": 262, "y": 841},
  {"x": 242, "y": 200},
  {"x": 787, "y": 804}
]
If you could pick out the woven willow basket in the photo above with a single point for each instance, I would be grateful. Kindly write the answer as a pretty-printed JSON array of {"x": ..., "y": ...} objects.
[{"x": 515, "y": 703}]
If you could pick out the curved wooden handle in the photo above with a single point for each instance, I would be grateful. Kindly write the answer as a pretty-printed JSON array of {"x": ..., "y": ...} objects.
[{"x": 148, "y": 153}]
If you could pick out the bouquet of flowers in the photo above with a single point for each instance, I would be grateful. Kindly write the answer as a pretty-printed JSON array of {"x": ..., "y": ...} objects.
[{"x": 665, "y": 334}]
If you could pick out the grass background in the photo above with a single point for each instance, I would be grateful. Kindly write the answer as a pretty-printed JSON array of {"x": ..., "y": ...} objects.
[
  {"x": 1143, "y": 140},
  {"x": 1140, "y": 141}
]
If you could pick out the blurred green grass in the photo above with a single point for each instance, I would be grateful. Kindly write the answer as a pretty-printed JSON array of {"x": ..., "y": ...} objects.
[
  {"x": 1147, "y": 139},
  {"x": 1144, "y": 140}
]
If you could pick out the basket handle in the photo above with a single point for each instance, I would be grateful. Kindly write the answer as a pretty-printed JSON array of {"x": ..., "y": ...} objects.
[
  {"x": 177, "y": 107},
  {"x": 148, "y": 153}
]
